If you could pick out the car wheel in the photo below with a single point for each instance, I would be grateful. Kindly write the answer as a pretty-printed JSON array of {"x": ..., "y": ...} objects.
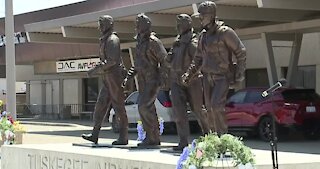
[
  {"x": 264, "y": 127},
  {"x": 115, "y": 124}
]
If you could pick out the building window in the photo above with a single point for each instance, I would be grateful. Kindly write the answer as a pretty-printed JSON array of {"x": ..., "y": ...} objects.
[
  {"x": 2, "y": 71},
  {"x": 91, "y": 91},
  {"x": 257, "y": 78},
  {"x": 305, "y": 77}
]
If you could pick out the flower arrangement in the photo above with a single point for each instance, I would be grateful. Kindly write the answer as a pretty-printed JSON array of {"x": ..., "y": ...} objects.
[
  {"x": 142, "y": 133},
  {"x": 207, "y": 150},
  {"x": 9, "y": 127}
]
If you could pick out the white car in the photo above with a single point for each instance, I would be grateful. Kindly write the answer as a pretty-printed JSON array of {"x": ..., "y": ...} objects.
[{"x": 163, "y": 106}]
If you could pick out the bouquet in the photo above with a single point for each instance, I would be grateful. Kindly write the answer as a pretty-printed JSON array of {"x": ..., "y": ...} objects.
[
  {"x": 8, "y": 127},
  {"x": 207, "y": 150}
]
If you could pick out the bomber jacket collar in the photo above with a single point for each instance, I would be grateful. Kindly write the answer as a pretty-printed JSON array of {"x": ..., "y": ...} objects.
[
  {"x": 106, "y": 36},
  {"x": 215, "y": 27},
  {"x": 142, "y": 37},
  {"x": 185, "y": 38}
]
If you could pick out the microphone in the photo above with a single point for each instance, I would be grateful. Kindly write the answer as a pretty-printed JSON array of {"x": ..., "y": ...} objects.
[{"x": 273, "y": 88}]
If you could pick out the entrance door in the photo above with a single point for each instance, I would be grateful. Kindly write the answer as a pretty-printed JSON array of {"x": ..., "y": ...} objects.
[{"x": 91, "y": 91}]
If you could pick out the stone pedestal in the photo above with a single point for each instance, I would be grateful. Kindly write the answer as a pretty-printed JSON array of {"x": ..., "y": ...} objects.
[{"x": 66, "y": 156}]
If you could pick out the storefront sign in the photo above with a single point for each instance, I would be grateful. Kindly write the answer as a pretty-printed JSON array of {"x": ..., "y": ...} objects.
[{"x": 80, "y": 65}]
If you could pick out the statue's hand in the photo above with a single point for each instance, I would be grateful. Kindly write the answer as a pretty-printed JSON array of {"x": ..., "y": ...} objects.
[
  {"x": 239, "y": 77},
  {"x": 185, "y": 79},
  {"x": 124, "y": 83}
]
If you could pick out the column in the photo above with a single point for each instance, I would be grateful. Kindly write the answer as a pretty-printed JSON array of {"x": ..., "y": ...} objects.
[
  {"x": 270, "y": 61},
  {"x": 294, "y": 58}
]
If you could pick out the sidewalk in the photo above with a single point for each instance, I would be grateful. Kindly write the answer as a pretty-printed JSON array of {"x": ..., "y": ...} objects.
[{"x": 55, "y": 132}]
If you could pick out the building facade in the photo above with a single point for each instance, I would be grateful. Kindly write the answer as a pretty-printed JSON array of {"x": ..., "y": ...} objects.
[{"x": 282, "y": 41}]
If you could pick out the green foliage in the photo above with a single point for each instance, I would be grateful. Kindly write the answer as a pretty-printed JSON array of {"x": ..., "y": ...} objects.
[
  {"x": 8, "y": 127},
  {"x": 210, "y": 147},
  {"x": 5, "y": 124}
]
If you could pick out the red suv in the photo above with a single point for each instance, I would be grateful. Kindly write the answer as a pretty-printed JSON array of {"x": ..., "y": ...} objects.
[{"x": 248, "y": 111}]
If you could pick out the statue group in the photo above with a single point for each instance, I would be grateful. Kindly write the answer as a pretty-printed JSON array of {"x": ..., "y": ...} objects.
[{"x": 202, "y": 67}]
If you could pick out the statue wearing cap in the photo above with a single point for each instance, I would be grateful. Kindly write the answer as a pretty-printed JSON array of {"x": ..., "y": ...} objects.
[
  {"x": 111, "y": 93},
  {"x": 179, "y": 58},
  {"x": 214, "y": 57},
  {"x": 149, "y": 66}
]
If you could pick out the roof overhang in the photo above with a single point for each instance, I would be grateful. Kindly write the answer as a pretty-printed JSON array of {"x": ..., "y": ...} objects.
[{"x": 249, "y": 18}]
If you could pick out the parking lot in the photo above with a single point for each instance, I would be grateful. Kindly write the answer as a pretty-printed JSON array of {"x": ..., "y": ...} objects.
[{"x": 43, "y": 132}]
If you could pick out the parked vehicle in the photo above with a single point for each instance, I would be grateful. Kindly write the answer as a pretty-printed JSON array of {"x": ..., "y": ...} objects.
[
  {"x": 299, "y": 109},
  {"x": 163, "y": 106}
]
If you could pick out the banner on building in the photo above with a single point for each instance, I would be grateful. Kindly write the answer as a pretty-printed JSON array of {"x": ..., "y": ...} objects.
[{"x": 80, "y": 65}]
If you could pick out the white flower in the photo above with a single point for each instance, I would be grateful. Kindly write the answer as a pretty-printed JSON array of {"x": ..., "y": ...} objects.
[
  {"x": 9, "y": 134},
  {"x": 8, "y": 122},
  {"x": 6, "y": 142},
  {"x": 201, "y": 145},
  {"x": 4, "y": 113},
  {"x": 192, "y": 167}
]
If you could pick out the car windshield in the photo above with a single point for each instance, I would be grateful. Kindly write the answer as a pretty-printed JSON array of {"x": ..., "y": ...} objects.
[{"x": 300, "y": 94}]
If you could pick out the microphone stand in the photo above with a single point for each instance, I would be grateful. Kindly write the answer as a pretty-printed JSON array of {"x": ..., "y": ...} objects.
[
  {"x": 272, "y": 127},
  {"x": 273, "y": 136}
]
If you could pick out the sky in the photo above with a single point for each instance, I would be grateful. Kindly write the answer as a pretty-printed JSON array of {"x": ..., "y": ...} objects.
[{"x": 23, "y": 6}]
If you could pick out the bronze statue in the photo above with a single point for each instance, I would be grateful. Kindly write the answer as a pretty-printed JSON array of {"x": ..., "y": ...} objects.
[
  {"x": 111, "y": 94},
  {"x": 149, "y": 61},
  {"x": 217, "y": 43},
  {"x": 179, "y": 58}
]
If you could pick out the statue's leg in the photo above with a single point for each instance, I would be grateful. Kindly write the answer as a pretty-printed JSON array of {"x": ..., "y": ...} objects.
[
  {"x": 102, "y": 107},
  {"x": 218, "y": 100},
  {"x": 179, "y": 100},
  {"x": 207, "y": 91},
  {"x": 195, "y": 99},
  {"x": 148, "y": 115},
  {"x": 117, "y": 100}
]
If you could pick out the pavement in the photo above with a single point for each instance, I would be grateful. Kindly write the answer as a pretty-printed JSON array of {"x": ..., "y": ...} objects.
[{"x": 69, "y": 131}]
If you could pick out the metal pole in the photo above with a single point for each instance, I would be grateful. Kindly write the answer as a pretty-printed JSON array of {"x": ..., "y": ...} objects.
[{"x": 10, "y": 60}]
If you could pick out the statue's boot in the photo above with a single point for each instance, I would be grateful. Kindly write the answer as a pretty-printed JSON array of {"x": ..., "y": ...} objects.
[
  {"x": 93, "y": 137},
  {"x": 152, "y": 138},
  {"x": 148, "y": 142},
  {"x": 183, "y": 132},
  {"x": 123, "y": 137},
  {"x": 202, "y": 118},
  {"x": 182, "y": 144}
]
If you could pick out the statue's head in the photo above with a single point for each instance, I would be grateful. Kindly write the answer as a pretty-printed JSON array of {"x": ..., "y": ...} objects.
[
  {"x": 143, "y": 23},
  {"x": 184, "y": 23},
  {"x": 105, "y": 23},
  {"x": 207, "y": 13}
]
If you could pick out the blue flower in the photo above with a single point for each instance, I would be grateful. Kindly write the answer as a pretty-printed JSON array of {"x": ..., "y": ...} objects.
[
  {"x": 183, "y": 157},
  {"x": 4, "y": 113},
  {"x": 193, "y": 145},
  {"x": 161, "y": 125},
  {"x": 141, "y": 132}
]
